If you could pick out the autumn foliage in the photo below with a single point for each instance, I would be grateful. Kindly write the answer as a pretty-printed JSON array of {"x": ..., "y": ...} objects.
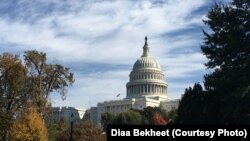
[
  {"x": 28, "y": 127},
  {"x": 83, "y": 131},
  {"x": 12, "y": 90},
  {"x": 28, "y": 80},
  {"x": 158, "y": 119}
]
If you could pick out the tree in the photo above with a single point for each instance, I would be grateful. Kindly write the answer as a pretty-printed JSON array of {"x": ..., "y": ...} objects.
[
  {"x": 158, "y": 119},
  {"x": 107, "y": 118},
  {"x": 129, "y": 117},
  {"x": 28, "y": 127},
  {"x": 244, "y": 116},
  {"x": 193, "y": 106},
  {"x": 171, "y": 116},
  {"x": 227, "y": 47},
  {"x": 29, "y": 82},
  {"x": 13, "y": 92},
  {"x": 225, "y": 99},
  {"x": 56, "y": 127},
  {"x": 83, "y": 131},
  {"x": 149, "y": 113},
  {"x": 45, "y": 78}
]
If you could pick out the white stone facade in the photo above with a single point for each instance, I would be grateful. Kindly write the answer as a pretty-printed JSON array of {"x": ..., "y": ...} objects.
[
  {"x": 64, "y": 113},
  {"x": 146, "y": 87},
  {"x": 169, "y": 105}
]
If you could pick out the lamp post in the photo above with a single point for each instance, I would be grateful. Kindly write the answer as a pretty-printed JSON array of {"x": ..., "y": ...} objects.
[{"x": 71, "y": 126}]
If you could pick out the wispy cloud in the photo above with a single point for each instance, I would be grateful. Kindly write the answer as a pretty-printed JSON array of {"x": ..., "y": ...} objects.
[{"x": 100, "y": 40}]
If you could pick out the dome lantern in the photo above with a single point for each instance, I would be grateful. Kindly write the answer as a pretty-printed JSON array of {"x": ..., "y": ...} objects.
[{"x": 145, "y": 48}]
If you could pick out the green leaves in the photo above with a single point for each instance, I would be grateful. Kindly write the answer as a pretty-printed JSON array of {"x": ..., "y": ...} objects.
[
  {"x": 225, "y": 99},
  {"x": 129, "y": 117},
  {"x": 107, "y": 118},
  {"x": 149, "y": 115},
  {"x": 228, "y": 45}
]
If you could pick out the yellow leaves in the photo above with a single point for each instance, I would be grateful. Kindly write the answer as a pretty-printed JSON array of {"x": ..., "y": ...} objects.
[
  {"x": 28, "y": 127},
  {"x": 12, "y": 91},
  {"x": 12, "y": 72},
  {"x": 29, "y": 80}
]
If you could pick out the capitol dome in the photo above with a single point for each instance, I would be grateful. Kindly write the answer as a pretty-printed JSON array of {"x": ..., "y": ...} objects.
[
  {"x": 146, "y": 88},
  {"x": 146, "y": 62},
  {"x": 147, "y": 78}
]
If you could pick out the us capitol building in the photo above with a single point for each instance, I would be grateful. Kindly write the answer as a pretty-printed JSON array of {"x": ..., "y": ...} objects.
[{"x": 146, "y": 87}]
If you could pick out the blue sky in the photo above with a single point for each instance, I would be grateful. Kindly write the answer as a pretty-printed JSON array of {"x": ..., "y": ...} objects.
[{"x": 101, "y": 40}]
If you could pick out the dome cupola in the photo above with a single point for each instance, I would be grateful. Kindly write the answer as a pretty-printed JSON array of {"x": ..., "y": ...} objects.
[{"x": 146, "y": 77}]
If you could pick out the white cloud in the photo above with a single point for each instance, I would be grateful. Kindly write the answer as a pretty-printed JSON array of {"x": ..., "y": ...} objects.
[
  {"x": 107, "y": 32},
  {"x": 96, "y": 87},
  {"x": 116, "y": 23}
]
